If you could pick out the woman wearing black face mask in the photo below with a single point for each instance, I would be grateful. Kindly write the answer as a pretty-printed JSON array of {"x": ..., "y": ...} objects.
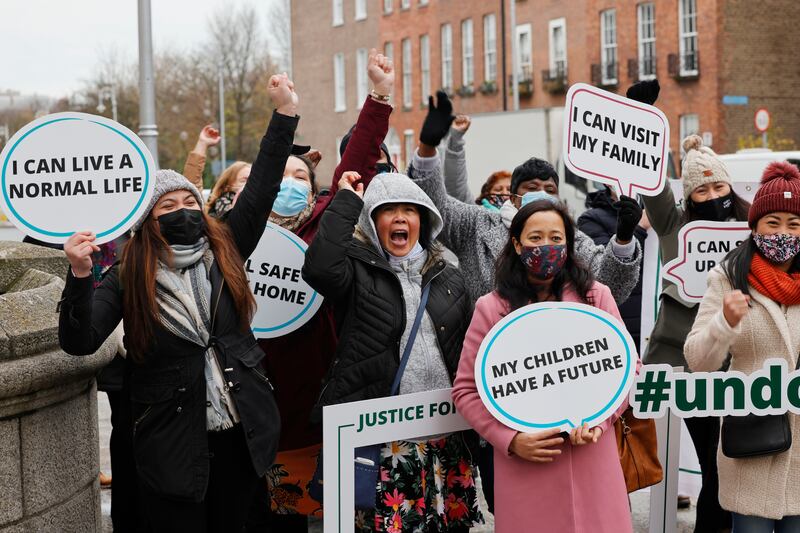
[
  {"x": 708, "y": 195},
  {"x": 205, "y": 424}
]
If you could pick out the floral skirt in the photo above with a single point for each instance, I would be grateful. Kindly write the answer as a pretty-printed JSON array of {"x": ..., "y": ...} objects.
[
  {"x": 424, "y": 486},
  {"x": 288, "y": 481}
]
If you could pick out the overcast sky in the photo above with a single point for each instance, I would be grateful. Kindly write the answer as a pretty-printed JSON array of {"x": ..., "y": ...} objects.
[{"x": 50, "y": 46}]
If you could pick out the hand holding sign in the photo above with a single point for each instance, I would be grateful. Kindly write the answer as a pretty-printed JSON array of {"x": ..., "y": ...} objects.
[
  {"x": 555, "y": 365},
  {"x": 701, "y": 246},
  {"x": 537, "y": 447},
  {"x": 79, "y": 249},
  {"x": 615, "y": 140}
]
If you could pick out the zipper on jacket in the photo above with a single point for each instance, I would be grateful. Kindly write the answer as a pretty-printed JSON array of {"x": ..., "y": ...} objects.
[
  {"x": 140, "y": 419},
  {"x": 264, "y": 378}
]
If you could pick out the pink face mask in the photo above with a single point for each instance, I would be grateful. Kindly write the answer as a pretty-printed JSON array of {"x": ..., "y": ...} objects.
[{"x": 777, "y": 248}]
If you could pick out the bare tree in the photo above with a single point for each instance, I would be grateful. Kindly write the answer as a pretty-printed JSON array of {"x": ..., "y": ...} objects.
[{"x": 279, "y": 24}]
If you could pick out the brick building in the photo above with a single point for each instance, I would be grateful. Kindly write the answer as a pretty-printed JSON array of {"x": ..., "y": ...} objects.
[{"x": 702, "y": 51}]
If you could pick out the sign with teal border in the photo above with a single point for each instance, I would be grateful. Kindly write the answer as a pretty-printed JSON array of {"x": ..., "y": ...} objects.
[{"x": 69, "y": 172}]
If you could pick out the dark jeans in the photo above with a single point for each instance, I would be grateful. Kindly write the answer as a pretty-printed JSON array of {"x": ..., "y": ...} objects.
[
  {"x": 125, "y": 515},
  {"x": 231, "y": 486},
  {"x": 705, "y": 436},
  {"x": 756, "y": 524},
  {"x": 486, "y": 471}
]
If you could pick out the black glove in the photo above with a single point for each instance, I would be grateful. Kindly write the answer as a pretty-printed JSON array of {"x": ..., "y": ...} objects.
[
  {"x": 645, "y": 92},
  {"x": 628, "y": 216},
  {"x": 438, "y": 120}
]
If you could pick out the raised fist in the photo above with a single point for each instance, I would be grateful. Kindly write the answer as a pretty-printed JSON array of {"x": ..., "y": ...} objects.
[
  {"x": 281, "y": 92},
  {"x": 381, "y": 72}
]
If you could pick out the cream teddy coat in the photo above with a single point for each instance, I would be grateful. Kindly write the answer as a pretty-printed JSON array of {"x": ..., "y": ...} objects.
[{"x": 767, "y": 486}]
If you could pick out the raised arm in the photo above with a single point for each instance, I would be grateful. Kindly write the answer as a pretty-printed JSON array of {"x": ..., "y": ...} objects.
[
  {"x": 614, "y": 265},
  {"x": 364, "y": 149},
  {"x": 664, "y": 215},
  {"x": 248, "y": 218},
  {"x": 327, "y": 268},
  {"x": 196, "y": 159},
  {"x": 455, "y": 161},
  {"x": 87, "y": 316}
]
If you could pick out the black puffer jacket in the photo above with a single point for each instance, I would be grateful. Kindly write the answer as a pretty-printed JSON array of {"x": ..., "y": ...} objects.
[
  {"x": 600, "y": 223},
  {"x": 370, "y": 309}
]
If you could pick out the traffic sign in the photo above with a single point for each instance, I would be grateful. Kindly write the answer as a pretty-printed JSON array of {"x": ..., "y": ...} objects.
[{"x": 762, "y": 120}]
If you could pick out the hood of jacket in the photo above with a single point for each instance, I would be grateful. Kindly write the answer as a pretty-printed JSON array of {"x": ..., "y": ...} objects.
[{"x": 395, "y": 188}]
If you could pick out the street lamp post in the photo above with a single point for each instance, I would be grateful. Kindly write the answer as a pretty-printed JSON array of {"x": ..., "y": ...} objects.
[
  {"x": 148, "y": 130},
  {"x": 223, "y": 153},
  {"x": 108, "y": 92}
]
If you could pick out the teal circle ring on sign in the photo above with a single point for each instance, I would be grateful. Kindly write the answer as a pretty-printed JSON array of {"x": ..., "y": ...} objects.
[
  {"x": 572, "y": 317},
  {"x": 104, "y": 140}
]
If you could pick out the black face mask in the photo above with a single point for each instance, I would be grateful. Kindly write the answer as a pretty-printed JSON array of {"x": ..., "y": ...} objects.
[
  {"x": 184, "y": 226},
  {"x": 380, "y": 168},
  {"x": 718, "y": 209}
]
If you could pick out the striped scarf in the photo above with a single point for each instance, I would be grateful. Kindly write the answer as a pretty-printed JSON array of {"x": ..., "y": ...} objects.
[
  {"x": 774, "y": 283},
  {"x": 183, "y": 293}
]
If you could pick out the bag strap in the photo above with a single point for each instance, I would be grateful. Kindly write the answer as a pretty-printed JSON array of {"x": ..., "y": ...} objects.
[{"x": 411, "y": 337}]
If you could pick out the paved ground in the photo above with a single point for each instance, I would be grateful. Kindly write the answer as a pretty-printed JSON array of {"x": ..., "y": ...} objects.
[{"x": 640, "y": 502}]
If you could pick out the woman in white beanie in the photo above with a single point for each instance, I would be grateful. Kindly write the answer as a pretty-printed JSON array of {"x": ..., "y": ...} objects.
[
  {"x": 205, "y": 422},
  {"x": 707, "y": 195}
]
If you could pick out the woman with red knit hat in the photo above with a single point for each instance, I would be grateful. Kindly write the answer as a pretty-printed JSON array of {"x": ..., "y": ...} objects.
[{"x": 751, "y": 310}]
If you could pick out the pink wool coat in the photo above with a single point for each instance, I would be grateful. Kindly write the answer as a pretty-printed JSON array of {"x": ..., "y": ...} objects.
[{"x": 583, "y": 489}]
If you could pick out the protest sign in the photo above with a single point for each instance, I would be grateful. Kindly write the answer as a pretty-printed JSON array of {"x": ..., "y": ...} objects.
[
  {"x": 69, "y": 172},
  {"x": 701, "y": 246},
  {"x": 350, "y": 425},
  {"x": 555, "y": 364},
  {"x": 615, "y": 140},
  {"x": 285, "y": 301}
]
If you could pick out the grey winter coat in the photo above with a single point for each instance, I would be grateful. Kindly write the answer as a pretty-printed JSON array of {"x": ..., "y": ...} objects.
[{"x": 477, "y": 235}]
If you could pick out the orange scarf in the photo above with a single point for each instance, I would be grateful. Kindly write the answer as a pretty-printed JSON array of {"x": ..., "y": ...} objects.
[{"x": 777, "y": 285}]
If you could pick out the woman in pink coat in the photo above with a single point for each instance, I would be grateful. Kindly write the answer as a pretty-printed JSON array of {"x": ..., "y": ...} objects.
[{"x": 544, "y": 481}]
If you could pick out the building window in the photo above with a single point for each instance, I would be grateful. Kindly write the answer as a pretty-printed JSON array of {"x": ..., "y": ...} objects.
[
  {"x": 340, "y": 98},
  {"x": 408, "y": 141},
  {"x": 361, "y": 9},
  {"x": 388, "y": 51},
  {"x": 447, "y": 56},
  {"x": 388, "y": 6},
  {"x": 423, "y": 2},
  {"x": 558, "y": 48},
  {"x": 338, "y": 141},
  {"x": 467, "y": 59},
  {"x": 406, "y": 73},
  {"x": 608, "y": 46},
  {"x": 687, "y": 16},
  {"x": 646, "y": 14},
  {"x": 489, "y": 48},
  {"x": 362, "y": 83},
  {"x": 524, "y": 52},
  {"x": 425, "y": 66},
  {"x": 338, "y": 12},
  {"x": 405, "y": 4},
  {"x": 689, "y": 124}
]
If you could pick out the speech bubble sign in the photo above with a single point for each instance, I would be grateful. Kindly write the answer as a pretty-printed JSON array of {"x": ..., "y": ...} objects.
[
  {"x": 285, "y": 301},
  {"x": 701, "y": 246},
  {"x": 615, "y": 140},
  {"x": 555, "y": 364},
  {"x": 69, "y": 172}
]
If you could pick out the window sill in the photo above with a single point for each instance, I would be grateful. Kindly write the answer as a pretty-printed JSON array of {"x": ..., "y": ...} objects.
[
  {"x": 359, "y": 19},
  {"x": 339, "y": 109},
  {"x": 337, "y": 24}
]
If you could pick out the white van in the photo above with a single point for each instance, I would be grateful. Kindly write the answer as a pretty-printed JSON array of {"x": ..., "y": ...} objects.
[{"x": 749, "y": 164}]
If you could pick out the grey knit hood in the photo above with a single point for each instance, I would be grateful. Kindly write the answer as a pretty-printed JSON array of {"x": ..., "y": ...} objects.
[{"x": 395, "y": 188}]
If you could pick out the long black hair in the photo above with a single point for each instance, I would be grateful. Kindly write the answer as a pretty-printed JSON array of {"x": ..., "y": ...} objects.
[
  {"x": 740, "y": 209},
  {"x": 511, "y": 275}
]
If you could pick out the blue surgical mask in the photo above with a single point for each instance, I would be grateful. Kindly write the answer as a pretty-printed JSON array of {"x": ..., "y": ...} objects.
[
  {"x": 292, "y": 198},
  {"x": 533, "y": 196}
]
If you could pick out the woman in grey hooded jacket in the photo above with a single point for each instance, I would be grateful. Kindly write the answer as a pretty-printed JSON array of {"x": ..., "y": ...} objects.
[{"x": 376, "y": 276}]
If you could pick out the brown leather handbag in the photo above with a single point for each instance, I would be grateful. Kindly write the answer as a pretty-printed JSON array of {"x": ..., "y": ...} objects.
[{"x": 638, "y": 451}]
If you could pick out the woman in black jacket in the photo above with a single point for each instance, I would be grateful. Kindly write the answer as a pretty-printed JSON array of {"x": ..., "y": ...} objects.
[
  {"x": 376, "y": 279},
  {"x": 205, "y": 423}
]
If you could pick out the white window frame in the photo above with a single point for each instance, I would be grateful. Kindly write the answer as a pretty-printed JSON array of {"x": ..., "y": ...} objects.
[
  {"x": 446, "y": 31},
  {"x": 338, "y": 143},
  {"x": 686, "y": 121},
  {"x": 687, "y": 33},
  {"x": 408, "y": 145},
  {"x": 338, "y": 12},
  {"x": 361, "y": 9},
  {"x": 525, "y": 68},
  {"x": 490, "y": 47},
  {"x": 467, "y": 53},
  {"x": 425, "y": 66},
  {"x": 423, "y": 2},
  {"x": 388, "y": 6},
  {"x": 339, "y": 83},
  {"x": 405, "y": 4},
  {"x": 407, "y": 80},
  {"x": 388, "y": 51},
  {"x": 646, "y": 36},
  {"x": 362, "y": 81},
  {"x": 608, "y": 45},
  {"x": 555, "y": 58}
]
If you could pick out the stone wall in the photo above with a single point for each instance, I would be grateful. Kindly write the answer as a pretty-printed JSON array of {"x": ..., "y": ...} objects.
[{"x": 48, "y": 407}]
